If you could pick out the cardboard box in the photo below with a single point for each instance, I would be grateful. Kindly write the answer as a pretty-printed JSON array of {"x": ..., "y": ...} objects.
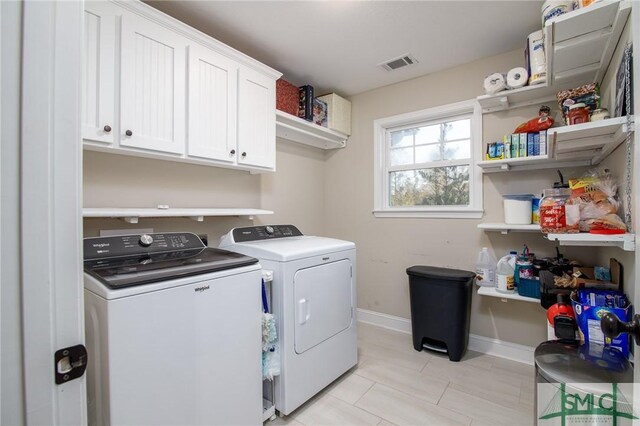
[
  {"x": 286, "y": 97},
  {"x": 588, "y": 321},
  {"x": 338, "y": 113},
  {"x": 585, "y": 277}
]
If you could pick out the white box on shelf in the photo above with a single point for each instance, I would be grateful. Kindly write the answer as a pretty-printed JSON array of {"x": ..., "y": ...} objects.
[{"x": 339, "y": 112}]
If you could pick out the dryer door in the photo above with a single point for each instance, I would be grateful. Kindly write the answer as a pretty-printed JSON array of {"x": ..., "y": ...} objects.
[{"x": 323, "y": 303}]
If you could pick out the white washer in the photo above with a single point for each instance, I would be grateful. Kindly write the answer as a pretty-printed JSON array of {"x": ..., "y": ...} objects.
[
  {"x": 173, "y": 332},
  {"x": 314, "y": 302}
]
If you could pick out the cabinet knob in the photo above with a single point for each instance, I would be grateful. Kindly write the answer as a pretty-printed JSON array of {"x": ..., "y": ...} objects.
[
  {"x": 232, "y": 152},
  {"x": 244, "y": 154},
  {"x": 107, "y": 128},
  {"x": 128, "y": 133}
]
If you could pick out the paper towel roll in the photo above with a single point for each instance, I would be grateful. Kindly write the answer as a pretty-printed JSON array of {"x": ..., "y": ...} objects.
[
  {"x": 494, "y": 83},
  {"x": 517, "y": 78}
]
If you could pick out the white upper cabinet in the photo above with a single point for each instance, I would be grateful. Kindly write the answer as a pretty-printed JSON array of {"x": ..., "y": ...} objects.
[
  {"x": 181, "y": 95},
  {"x": 213, "y": 104},
  {"x": 152, "y": 96},
  {"x": 256, "y": 119},
  {"x": 98, "y": 66}
]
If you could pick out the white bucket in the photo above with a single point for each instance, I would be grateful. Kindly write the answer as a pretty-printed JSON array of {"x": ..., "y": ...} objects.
[{"x": 517, "y": 209}]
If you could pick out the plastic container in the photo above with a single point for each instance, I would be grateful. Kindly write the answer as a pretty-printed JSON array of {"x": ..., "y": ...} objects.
[
  {"x": 517, "y": 209},
  {"x": 504, "y": 275},
  {"x": 556, "y": 216},
  {"x": 578, "y": 113},
  {"x": 485, "y": 268},
  {"x": 440, "y": 309},
  {"x": 599, "y": 114},
  {"x": 529, "y": 287}
]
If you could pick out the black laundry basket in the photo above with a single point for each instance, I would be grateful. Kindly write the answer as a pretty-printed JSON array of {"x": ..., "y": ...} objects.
[{"x": 440, "y": 308}]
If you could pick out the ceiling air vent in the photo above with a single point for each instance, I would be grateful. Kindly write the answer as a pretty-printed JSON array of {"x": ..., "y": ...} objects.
[{"x": 399, "y": 62}]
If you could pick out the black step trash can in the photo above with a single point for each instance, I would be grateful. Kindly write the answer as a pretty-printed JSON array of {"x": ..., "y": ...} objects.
[{"x": 440, "y": 308}]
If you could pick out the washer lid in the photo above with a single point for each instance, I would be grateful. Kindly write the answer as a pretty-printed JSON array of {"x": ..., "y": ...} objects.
[
  {"x": 127, "y": 271},
  {"x": 568, "y": 362},
  {"x": 291, "y": 248}
]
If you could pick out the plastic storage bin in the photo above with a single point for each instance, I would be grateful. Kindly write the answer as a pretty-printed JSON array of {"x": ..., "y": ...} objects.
[
  {"x": 529, "y": 288},
  {"x": 440, "y": 309}
]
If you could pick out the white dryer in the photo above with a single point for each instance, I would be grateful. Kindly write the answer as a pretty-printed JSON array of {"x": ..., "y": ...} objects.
[{"x": 314, "y": 302}]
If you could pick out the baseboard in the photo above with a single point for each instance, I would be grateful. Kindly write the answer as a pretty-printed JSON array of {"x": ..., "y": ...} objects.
[{"x": 477, "y": 343}]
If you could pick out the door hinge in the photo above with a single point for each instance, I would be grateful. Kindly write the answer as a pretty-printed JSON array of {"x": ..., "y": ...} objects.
[{"x": 70, "y": 363}]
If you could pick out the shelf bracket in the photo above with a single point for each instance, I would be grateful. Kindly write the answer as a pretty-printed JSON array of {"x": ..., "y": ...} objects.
[
  {"x": 130, "y": 219},
  {"x": 504, "y": 102},
  {"x": 505, "y": 167},
  {"x": 197, "y": 218}
]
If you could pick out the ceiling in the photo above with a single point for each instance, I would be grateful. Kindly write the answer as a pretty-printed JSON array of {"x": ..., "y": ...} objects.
[{"x": 336, "y": 46}]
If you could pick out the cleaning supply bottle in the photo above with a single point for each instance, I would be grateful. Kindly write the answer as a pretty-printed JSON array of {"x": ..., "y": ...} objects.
[
  {"x": 504, "y": 274},
  {"x": 485, "y": 268}
]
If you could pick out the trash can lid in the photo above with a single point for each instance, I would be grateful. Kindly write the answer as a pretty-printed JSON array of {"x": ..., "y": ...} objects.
[
  {"x": 559, "y": 361},
  {"x": 447, "y": 274}
]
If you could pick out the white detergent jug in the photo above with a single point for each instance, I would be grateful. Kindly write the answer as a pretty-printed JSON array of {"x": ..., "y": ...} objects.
[
  {"x": 485, "y": 268},
  {"x": 504, "y": 274}
]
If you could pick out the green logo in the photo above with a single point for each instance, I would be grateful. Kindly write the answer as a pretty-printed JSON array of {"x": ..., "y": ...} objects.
[{"x": 613, "y": 405}]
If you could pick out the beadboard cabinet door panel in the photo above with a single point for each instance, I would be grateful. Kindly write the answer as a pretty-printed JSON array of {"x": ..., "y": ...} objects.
[
  {"x": 256, "y": 119},
  {"x": 213, "y": 103},
  {"x": 153, "y": 86},
  {"x": 98, "y": 73}
]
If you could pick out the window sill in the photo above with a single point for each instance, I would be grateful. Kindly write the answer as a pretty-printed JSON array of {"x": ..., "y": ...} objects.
[{"x": 440, "y": 214}]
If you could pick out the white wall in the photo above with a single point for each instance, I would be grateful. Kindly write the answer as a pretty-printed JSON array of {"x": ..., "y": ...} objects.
[
  {"x": 11, "y": 367},
  {"x": 387, "y": 246}
]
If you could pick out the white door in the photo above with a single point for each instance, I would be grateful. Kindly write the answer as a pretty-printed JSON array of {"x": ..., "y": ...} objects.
[
  {"x": 323, "y": 303},
  {"x": 256, "y": 119},
  {"x": 51, "y": 208},
  {"x": 152, "y": 96},
  {"x": 98, "y": 70},
  {"x": 213, "y": 100}
]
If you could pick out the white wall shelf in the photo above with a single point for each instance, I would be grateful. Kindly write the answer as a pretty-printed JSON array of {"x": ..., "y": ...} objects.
[
  {"x": 579, "y": 47},
  {"x": 585, "y": 144},
  {"x": 492, "y": 292},
  {"x": 594, "y": 140},
  {"x": 626, "y": 241},
  {"x": 302, "y": 131},
  {"x": 131, "y": 215},
  {"x": 528, "y": 163},
  {"x": 580, "y": 44},
  {"x": 504, "y": 228}
]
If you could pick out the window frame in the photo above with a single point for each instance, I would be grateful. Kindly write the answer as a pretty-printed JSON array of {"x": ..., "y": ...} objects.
[{"x": 450, "y": 112}]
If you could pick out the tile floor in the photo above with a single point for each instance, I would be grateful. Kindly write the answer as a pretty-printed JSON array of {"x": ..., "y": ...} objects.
[{"x": 395, "y": 385}]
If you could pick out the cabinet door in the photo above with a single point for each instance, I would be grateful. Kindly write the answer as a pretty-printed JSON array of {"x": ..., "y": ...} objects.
[
  {"x": 98, "y": 69},
  {"x": 256, "y": 119},
  {"x": 213, "y": 100},
  {"x": 153, "y": 86}
]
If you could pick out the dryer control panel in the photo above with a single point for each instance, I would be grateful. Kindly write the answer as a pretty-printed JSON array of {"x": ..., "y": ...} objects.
[{"x": 257, "y": 233}]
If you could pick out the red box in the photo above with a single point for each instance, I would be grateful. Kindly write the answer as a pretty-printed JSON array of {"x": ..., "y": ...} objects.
[{"x": 286, "y": 97}]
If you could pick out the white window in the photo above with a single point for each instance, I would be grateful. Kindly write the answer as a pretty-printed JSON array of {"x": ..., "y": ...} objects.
[{"x": 425, "y": 163}]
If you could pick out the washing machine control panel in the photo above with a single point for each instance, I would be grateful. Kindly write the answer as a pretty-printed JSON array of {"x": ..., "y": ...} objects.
[
  {"x": 127, "y": 245},
  {"x": 257, "y": 233}
]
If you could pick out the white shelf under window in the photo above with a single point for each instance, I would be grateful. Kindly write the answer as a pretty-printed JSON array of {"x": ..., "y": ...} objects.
[
  {"x": 302, "y": 131},
  {"x": 131, "y": 215},
  {"x": 579, "y": 47},
  {"x": 492, "y": 292}
]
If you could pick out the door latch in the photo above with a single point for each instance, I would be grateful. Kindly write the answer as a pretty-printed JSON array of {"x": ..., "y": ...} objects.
[{"x": 70, "y": 363}]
